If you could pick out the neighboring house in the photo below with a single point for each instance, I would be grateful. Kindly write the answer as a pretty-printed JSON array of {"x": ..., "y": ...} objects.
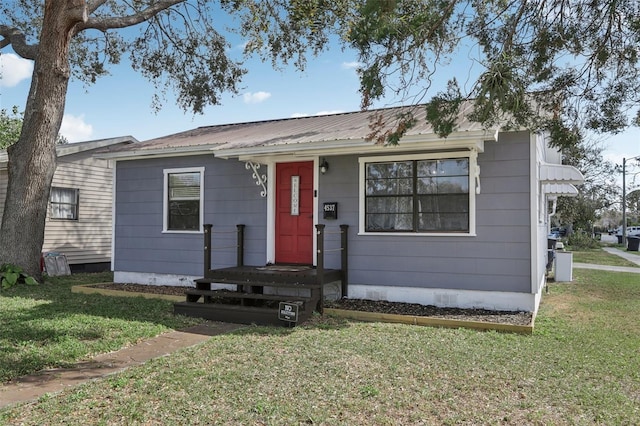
[
  {"x": 460, "y": 221},
  {"x": 79, "y": 216}
]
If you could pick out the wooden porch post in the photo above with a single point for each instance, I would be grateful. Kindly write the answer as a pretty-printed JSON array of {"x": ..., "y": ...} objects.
[
  {"x": 344, "y": 241},
  {"x": 240, "y": 254},
  {"x": 207, "y": 249},
  {"x": 320, "y": 263}
]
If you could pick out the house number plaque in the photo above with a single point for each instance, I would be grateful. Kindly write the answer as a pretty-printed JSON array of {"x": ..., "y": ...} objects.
[
  {"x": 330, "y": 210},
  {"x": 295, "y": 195}
]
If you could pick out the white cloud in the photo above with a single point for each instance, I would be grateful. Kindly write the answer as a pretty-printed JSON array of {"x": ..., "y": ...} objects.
[
  {"x": 255, "y": 98},
  {"x": 74, "y": 129},
  {"x": 304, "y": 114},
  {"x": 14, "y": 69},
  {"x": 337, "y": 111},
  {"x": 351, "y": 65}
]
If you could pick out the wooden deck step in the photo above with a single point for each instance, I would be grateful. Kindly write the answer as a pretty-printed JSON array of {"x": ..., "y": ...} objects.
[
  {"x": 235, "y": 314},
  {"x": 220, "y": 294},
  {"x": 247, "y": 274},
  {"x": 201, "y": 281}
]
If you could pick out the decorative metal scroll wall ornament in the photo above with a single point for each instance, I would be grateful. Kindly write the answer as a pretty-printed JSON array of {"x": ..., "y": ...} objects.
[{"x": 260, "y": 178}]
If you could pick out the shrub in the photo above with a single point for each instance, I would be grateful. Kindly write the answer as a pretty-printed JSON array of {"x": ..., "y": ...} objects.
[
  {"x": 581, "y": 240},
  {"x": 11, "y": 275}
]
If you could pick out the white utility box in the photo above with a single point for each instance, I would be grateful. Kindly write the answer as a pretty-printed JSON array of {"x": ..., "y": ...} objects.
[{"x": 564, "y": 266}]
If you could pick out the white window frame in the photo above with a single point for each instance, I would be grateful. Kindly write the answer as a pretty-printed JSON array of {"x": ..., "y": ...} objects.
[
  {"x": 471, "y": 155},
  {"x": 165, "y": 200},
  {"x": 76, "y": 203}
]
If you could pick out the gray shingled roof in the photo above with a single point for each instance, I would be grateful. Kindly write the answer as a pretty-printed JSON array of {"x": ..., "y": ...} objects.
[{"x": 284, "y": 133}]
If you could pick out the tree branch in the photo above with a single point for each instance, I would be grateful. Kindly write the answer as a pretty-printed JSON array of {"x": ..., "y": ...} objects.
[
  {"x": 93, "y": 5},
  {"x": 103, "y": 24},
  {"x": 18, "y": 41}
]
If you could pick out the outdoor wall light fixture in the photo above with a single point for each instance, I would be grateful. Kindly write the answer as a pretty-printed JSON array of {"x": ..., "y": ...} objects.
[{"x": 324, "y": 166}]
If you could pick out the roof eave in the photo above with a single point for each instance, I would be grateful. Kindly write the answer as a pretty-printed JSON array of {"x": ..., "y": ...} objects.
[
  {"x": 156, "y": 153},
  {"x": 73, "y": 148},
  {"x": 470, "y": 139}
]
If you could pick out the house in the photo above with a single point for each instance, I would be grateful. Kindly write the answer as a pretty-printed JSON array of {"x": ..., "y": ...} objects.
[
  {"x": 460, "y": 221},
  {"x": 79, "y": 218}
]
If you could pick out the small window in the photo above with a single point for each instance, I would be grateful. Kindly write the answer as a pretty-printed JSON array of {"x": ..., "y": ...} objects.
[
  {"x": 183, "y": 200},
  {"x": 64, "y": 203}
]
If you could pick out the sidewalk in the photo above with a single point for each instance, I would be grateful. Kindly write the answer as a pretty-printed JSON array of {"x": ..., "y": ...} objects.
[
  {"x": 630, "y": 257},
  {"x": 625, "y": 254},
  {"x": 32, "y": 387}
]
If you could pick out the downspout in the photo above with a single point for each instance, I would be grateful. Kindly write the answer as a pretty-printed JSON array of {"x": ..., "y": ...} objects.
[
  {"x": 535, "y": 217},
  {"x": 553, "y": 212}
]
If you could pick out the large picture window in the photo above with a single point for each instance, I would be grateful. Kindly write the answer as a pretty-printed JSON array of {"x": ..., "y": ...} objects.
[
  {"x": 63, "y": 203},
  {"x": 183, "y": 200},
  {"x": 415, "y": 195}
]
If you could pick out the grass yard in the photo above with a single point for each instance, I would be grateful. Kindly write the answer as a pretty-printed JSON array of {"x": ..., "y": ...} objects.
[
  {"x": 601, "y": 257},
  {"x": 580, "y": 367},
  {"x": 47, "y": 326}
]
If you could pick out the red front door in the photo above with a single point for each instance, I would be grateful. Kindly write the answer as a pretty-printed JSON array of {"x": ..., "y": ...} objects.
[{"x": 294, "y": 213}]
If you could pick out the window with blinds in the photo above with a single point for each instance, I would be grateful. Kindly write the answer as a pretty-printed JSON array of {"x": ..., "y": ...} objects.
[{"x": 183, "y": 201}]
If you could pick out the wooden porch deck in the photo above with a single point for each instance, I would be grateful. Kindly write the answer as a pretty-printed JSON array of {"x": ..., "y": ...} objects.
[{"x": 259, "y": 291}]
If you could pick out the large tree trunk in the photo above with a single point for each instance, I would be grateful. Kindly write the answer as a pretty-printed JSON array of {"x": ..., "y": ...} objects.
[{"x": 32, "y": 160}]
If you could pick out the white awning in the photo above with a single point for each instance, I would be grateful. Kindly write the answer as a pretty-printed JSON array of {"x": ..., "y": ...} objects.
[
  {"x": 559, "y": 189},
  {"x": 558, "y": 173}
]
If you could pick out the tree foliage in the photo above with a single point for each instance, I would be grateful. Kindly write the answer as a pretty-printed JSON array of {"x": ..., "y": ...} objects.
[
  {"x": 599, "y": 191},
  {"x": 10, "y": 125},
  {"x": 557, "y": 65},
  {"x": 181, "y": 46}
]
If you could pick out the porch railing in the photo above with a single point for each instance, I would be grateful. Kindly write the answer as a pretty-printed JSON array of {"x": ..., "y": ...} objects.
[
  {"x": 320, "y": 250},
  {"x": 208, "y": 231},
  {"x": 343, "y": 249}
]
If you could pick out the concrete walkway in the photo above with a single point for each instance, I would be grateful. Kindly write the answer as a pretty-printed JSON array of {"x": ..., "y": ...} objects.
[
  {"x": 634, "y": 258},
  {"x": 32, "y": 387}
]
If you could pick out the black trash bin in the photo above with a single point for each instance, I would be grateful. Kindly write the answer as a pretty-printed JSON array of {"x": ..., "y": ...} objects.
[
  {"x": 633, "y": 242},
  {"x": 551, "y": 252},
  {"x": 619, "y": 239}
]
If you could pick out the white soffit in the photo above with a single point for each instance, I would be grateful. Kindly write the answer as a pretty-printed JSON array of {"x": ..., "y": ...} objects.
[
  {"x": 558, "y": 173},
  {"x": 467, "y": 140}
]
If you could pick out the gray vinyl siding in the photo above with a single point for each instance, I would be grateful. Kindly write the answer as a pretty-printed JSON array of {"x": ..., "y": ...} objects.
[
  {"x": 498, "y": 258},
  {"x": 231, "y": 197}
]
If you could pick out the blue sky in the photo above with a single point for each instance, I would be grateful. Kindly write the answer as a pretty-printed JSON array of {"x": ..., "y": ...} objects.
[{"x": 120, "y": 104}]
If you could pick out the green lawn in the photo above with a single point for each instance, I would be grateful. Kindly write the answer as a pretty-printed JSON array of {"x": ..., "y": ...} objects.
[
  {"x": 580, "y": 367},
  {"x": 47, "y": 326},
  {"x": 600, "y": 257}
]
